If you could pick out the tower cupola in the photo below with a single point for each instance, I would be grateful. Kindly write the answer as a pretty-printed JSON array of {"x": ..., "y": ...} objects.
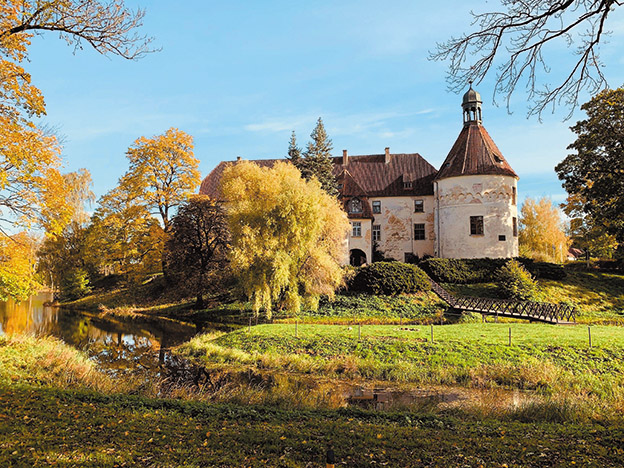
[{"x": 471, "y": 104}]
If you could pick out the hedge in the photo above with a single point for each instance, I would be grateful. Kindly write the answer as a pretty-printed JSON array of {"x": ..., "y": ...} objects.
[
  {"x": 390, "y": 278},
  {"x": 484, "y": 270}
]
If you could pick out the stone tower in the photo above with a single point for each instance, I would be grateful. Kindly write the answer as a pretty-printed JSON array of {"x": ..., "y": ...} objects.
[{"x": 476, "y": 214}]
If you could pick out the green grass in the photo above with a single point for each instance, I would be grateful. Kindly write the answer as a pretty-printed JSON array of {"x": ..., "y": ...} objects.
[
  {"x": 599, "y": 297},
  {"x": 554, "y": 362},
  {"x": 364, "y": 308},
  {"x": 46, "y": 426},
  {"x": 57, "y": 410}
]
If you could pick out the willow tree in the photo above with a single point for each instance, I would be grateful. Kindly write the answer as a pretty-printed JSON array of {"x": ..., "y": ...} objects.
[{"x": 288, "y": 236}]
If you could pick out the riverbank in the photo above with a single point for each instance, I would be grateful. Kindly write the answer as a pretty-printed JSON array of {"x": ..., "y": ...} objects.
[
  {"x": 599, "y": 298},
  {"x": 57, "y": 409},
  {"x": 555, "y": 365}
]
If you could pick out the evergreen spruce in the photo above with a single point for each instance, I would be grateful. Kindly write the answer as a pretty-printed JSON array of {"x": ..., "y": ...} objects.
[
  {"x": 294, "y": 152},
  {"x": 318, "y": 161}
]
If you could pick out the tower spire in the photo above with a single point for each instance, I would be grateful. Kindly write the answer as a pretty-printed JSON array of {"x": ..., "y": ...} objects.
[{"x": 471, "y": 105}]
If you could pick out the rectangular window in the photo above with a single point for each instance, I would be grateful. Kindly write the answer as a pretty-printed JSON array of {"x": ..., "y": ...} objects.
[
  {"x": 419, "y": 206},
  {"x": 476, "y": 225},
  {"x": 419, "y": 231},
  {"x": 513, "y": 195},
  {"x": 357, "y": 229},
  {"x": 376, "y": 232},
  {"x": 515, "y": 227},
  {"x": 407, "y": 185},
  {"x": 502, "y": 237},
  {"x": 377, "y": 206}
]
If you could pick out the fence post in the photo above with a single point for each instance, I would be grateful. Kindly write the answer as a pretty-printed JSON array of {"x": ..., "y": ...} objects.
[
  {"x": 589, "y": 331},
  {"x": 330, "y": 459},
  {"x": 509, "y": 336},
  {"x": 360, "y": 331},
  {"x": 249, "y": 324},
  {"x": 296, "y": 328},
  {"x": 432, "y": 333}
]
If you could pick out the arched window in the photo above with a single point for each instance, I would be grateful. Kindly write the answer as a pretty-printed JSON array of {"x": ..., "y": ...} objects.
[{"x": 355, "y": 205}]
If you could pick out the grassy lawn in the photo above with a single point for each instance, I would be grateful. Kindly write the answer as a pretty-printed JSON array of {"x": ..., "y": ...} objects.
[
  {"x": 599, "y": 297},
  {"x": 553, "y": 362},
  {"x": 420, "y": 308},
  {"x": 46, "y": 426},
  {"x": 56, "y": 409}
]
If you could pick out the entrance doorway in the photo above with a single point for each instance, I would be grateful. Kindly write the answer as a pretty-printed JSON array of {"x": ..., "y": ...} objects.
[{"x": 357, "y": 257}]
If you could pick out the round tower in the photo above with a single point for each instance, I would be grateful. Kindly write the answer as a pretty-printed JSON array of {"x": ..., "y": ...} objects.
[{"x": 476, "y": 213}]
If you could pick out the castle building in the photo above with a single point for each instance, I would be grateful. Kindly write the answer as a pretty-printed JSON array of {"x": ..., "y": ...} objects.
[{"x": 400, "y": 206}]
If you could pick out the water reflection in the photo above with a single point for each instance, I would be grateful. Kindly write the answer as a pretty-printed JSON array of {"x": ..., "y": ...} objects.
[{"x": 117, "y": 345}]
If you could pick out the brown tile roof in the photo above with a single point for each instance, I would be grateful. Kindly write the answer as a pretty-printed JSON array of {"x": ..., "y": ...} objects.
[
  {"x": 474, "y": 153},
  {"x": 378, "y": 179},
  {"x": 364, "y": 176}
]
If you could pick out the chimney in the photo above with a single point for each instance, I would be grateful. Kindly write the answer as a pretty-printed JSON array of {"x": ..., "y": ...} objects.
[
  {"x": 345, "y": 158},
  {"x": 238, "y": 158},
  {"x": 387, "y": 158}
]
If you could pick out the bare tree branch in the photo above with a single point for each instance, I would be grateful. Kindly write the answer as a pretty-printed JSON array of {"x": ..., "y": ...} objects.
[
  {"x": 108, "y": 26},
  {"x": 520, "y": 36}
]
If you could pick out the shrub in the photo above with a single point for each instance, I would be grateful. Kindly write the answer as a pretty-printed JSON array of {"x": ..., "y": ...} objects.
[
  {"x": 462, "y": 271},
  {"x": 390, "y": 278},
  {"x": 515, "y": 282},
  {"x": 75, "y": 284},
  {"x": 543, "y": 270},
  {"x": 484, "y": 270}
]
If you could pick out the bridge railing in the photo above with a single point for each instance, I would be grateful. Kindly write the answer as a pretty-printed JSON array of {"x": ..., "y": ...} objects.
[{"x": 541, "y": 311}]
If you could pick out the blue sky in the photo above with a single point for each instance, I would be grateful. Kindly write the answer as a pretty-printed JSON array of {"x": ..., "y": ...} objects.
[{"x": 241, "y": 75}]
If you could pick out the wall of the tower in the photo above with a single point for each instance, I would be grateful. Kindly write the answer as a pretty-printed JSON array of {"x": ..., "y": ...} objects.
[{"x": 476, "y": 217}]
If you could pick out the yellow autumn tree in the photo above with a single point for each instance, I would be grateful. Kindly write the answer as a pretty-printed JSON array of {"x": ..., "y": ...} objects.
[
  {"x": 124, "y": 237},
  {"x": 163, "y": 173},
  {"x": 288, "y": 236},
  {"x": 17, "y": 266},
  {"x": 32, "y": 190},
  {"x": 542, "y": 231}
]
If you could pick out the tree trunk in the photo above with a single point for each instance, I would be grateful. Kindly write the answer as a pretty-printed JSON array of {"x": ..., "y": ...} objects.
[{"x": 199, "y": 304}]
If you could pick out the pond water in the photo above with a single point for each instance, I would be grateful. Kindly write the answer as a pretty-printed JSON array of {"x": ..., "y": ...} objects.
[
  {"x": 118, "y": 346},
  {"x": 140, "y": 347}
]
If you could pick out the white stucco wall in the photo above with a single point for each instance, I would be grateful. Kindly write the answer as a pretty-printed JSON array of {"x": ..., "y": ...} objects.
[
  {"x": 396, "y": 220},
  {"x": 363, "y": 242},
  {"x": 458, "y": 199}
]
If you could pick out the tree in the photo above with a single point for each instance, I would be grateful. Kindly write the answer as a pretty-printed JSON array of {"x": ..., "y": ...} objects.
[
  {"x": 294, "y": 152},
  {"x": 17, "y": 267},
  {"x": 542, "y": 232},
  {"x": 288, "y": 235},
  {"x": 163, "y": 173},
  {"x": 520, "y": 37},
  {"x": 198, "y": 247},
  {"x": 586, "y": 233},
  {"x": 515, "y": 282},
  {"x": 63, "y": 255},
  {"x": 109, "y": 27},
  {"x": 124, "y": 237},
  {"x": 317, "y": 162},
  {"x": 31, "y": 187},
  {"x": 595, "y": 172}
]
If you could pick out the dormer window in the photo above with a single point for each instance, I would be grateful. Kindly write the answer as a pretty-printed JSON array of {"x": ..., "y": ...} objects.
[
  {"x": 498, "y": 159},
  {"x": 407, "y": 185},
  {"x": 355, "y": 205}
]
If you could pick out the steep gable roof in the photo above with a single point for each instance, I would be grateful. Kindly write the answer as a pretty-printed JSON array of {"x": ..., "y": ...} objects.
[
  {"x": 474, "y": 153},
  {"x": 367, "y": 176}
]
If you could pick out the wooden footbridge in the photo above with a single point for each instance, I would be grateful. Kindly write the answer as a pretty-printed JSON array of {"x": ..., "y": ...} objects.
[{"x": 526, "y": 310}]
